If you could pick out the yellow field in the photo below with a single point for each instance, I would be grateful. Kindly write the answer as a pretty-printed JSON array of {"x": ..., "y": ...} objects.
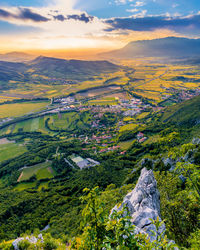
[
  {"x": 128, "y": 127},
  {"x": 19, "y": 109}
]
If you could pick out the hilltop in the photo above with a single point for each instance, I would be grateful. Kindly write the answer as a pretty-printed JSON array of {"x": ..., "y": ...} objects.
[
  {"x": 74, "y": 68},
  {"x": 54, "y": 68}
]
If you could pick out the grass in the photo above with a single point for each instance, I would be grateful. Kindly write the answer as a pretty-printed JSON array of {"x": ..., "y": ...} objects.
[
  {"x": 131, "y": 126},
  {"x": 126, "y": 144},
  {"x": 20, "y": 109},
  {"x": 43, "y": 185},
  {"x": 41, "y": 171},
  {"x": 22, "y": 186},
  {"x": 11, "y": 150},
  {"x": 103, "y": 102}
]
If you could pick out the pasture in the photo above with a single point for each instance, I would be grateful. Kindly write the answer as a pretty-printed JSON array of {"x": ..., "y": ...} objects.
[
  {"x": 131, "y": 126},
  {"x": 20, "y": 109},
  {"x": 41, "y": 171},
  {"x": 10, "y": 150}
]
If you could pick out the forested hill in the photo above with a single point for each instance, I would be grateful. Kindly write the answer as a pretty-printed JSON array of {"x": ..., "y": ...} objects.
[
  {"x": 184, "y": 114},
  {"x": 54, "y": 68}
]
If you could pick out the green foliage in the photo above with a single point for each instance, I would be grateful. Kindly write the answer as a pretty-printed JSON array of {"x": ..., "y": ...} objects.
[
  {"x": 49, "y": 243},
  {"x": 93, "y": 220},
  {"x": 179, "y": 207},
  {"x": 194, "y": 240},
  {"x": 120, "y": 232},
  {"x": 24, "y": 245},
  {"x": 192, "y": 174},
  {"x": 101, "y": 231}
]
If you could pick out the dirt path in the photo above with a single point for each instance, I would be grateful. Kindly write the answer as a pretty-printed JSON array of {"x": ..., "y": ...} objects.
[{"x": 20, "y": 177}]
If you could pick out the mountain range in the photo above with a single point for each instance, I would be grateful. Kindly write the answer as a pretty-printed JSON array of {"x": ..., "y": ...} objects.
[
  {"x": 170, "y": 47},
  {"x": 16, "y": 57},
  {"x": 54, "y": 68}
]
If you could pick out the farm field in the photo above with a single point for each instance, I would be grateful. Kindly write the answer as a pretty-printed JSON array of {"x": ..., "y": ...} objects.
[
  {"x": 126, "y": 144},
  {"x": 20, "y": 109},
  {"x": 104, "y": 101},
  {"x": 60, "y": 121},
  {"x": 41, "y": 171},
  {"x": 11, "y": 150},
  {"x": 130, "y": 126}
]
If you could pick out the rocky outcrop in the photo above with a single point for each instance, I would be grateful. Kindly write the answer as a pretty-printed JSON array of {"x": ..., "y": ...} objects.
[
  {"x": 143, "y": 204},
  {"x": 31, "y": 239}
]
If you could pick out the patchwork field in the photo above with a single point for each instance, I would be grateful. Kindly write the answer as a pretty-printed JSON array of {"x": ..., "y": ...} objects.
[{"x": 61, "y": 121}]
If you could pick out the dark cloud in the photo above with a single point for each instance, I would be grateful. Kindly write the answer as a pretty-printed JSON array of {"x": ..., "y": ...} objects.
[
  {"x": 60, "y": 18},
  {"x": 83, "y": 18},
  {"x": 23, "y": 14},
  {"x": 4, "y": 13},
  {"x": 154, "y": 22},
  {"x": 27, "y": 14}
]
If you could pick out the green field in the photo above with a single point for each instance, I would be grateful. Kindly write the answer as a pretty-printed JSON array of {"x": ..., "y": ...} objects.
[
  {"x": 22, "y": 186},
  {"x": 41, "y": 171},
  {"x": 131, "y": 126},
  {"x": 126, "y": 144},
  {"x": 11, "y": 150},
  {"x": 62, "y": 121},
  {"x": 20, "y": 109}
]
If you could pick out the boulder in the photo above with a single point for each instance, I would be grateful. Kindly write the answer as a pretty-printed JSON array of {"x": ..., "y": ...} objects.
[{"x": 143, "y": 204}]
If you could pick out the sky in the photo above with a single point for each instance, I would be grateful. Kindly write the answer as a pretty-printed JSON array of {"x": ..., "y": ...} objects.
[{"x": 74, "y": 25}]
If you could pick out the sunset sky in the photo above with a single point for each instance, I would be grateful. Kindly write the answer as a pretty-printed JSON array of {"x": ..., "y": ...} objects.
[{"x": 93, "y": 24}]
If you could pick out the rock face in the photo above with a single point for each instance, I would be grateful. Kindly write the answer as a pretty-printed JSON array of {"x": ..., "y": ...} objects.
[
  {"x": 31, "y": 239},
  {"x": 143, "y": 204}
]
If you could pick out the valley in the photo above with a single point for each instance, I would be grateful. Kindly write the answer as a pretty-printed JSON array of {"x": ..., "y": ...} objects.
[{"x": 58, "y": 137}]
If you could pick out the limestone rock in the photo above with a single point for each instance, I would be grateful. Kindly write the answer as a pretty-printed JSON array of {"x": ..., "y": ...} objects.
[
  {"x": 143, "y": 204},
  {"x": 31, "y": 239}
]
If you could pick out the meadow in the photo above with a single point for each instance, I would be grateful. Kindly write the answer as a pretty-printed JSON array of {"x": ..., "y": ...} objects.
[
  {"x": 60, "y": 121},
  {"x": 40, "y": 171},
  {"x": 20, "y": 109},
  {"x": 11, "y": 150}
]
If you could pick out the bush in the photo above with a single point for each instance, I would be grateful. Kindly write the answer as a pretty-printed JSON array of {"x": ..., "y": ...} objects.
[{"x": 24, "y": 245}]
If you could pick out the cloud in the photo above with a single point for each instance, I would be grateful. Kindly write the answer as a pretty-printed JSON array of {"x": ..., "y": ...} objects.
[
  {"x": 59, "y": 18},
  {"x": 139, "y": 4},
  {"x": 150, "y": 23},
  {"x": 22, "y": 14},
  {"x": 26, "y": 14},
  {"x": 120, "y": 2},
  {"x": 132, "y": 10},
  {"x": 83, "y": 18}
]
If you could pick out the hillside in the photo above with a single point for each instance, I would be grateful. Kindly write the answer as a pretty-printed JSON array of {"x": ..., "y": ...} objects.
[
  {"x": 173, "y": 47},
  {"x": 184, "y": 114},
  {"x": 48, "y": 67},
  {"x": 70, "y": 68}
]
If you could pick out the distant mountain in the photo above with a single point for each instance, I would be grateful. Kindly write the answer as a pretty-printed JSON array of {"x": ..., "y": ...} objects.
[
  {"x": 54, "y": 68},
  {"x": 16, "y": 57},
  {"x": 74, "y": 69},
  {"x": 171, "y": 47}
]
